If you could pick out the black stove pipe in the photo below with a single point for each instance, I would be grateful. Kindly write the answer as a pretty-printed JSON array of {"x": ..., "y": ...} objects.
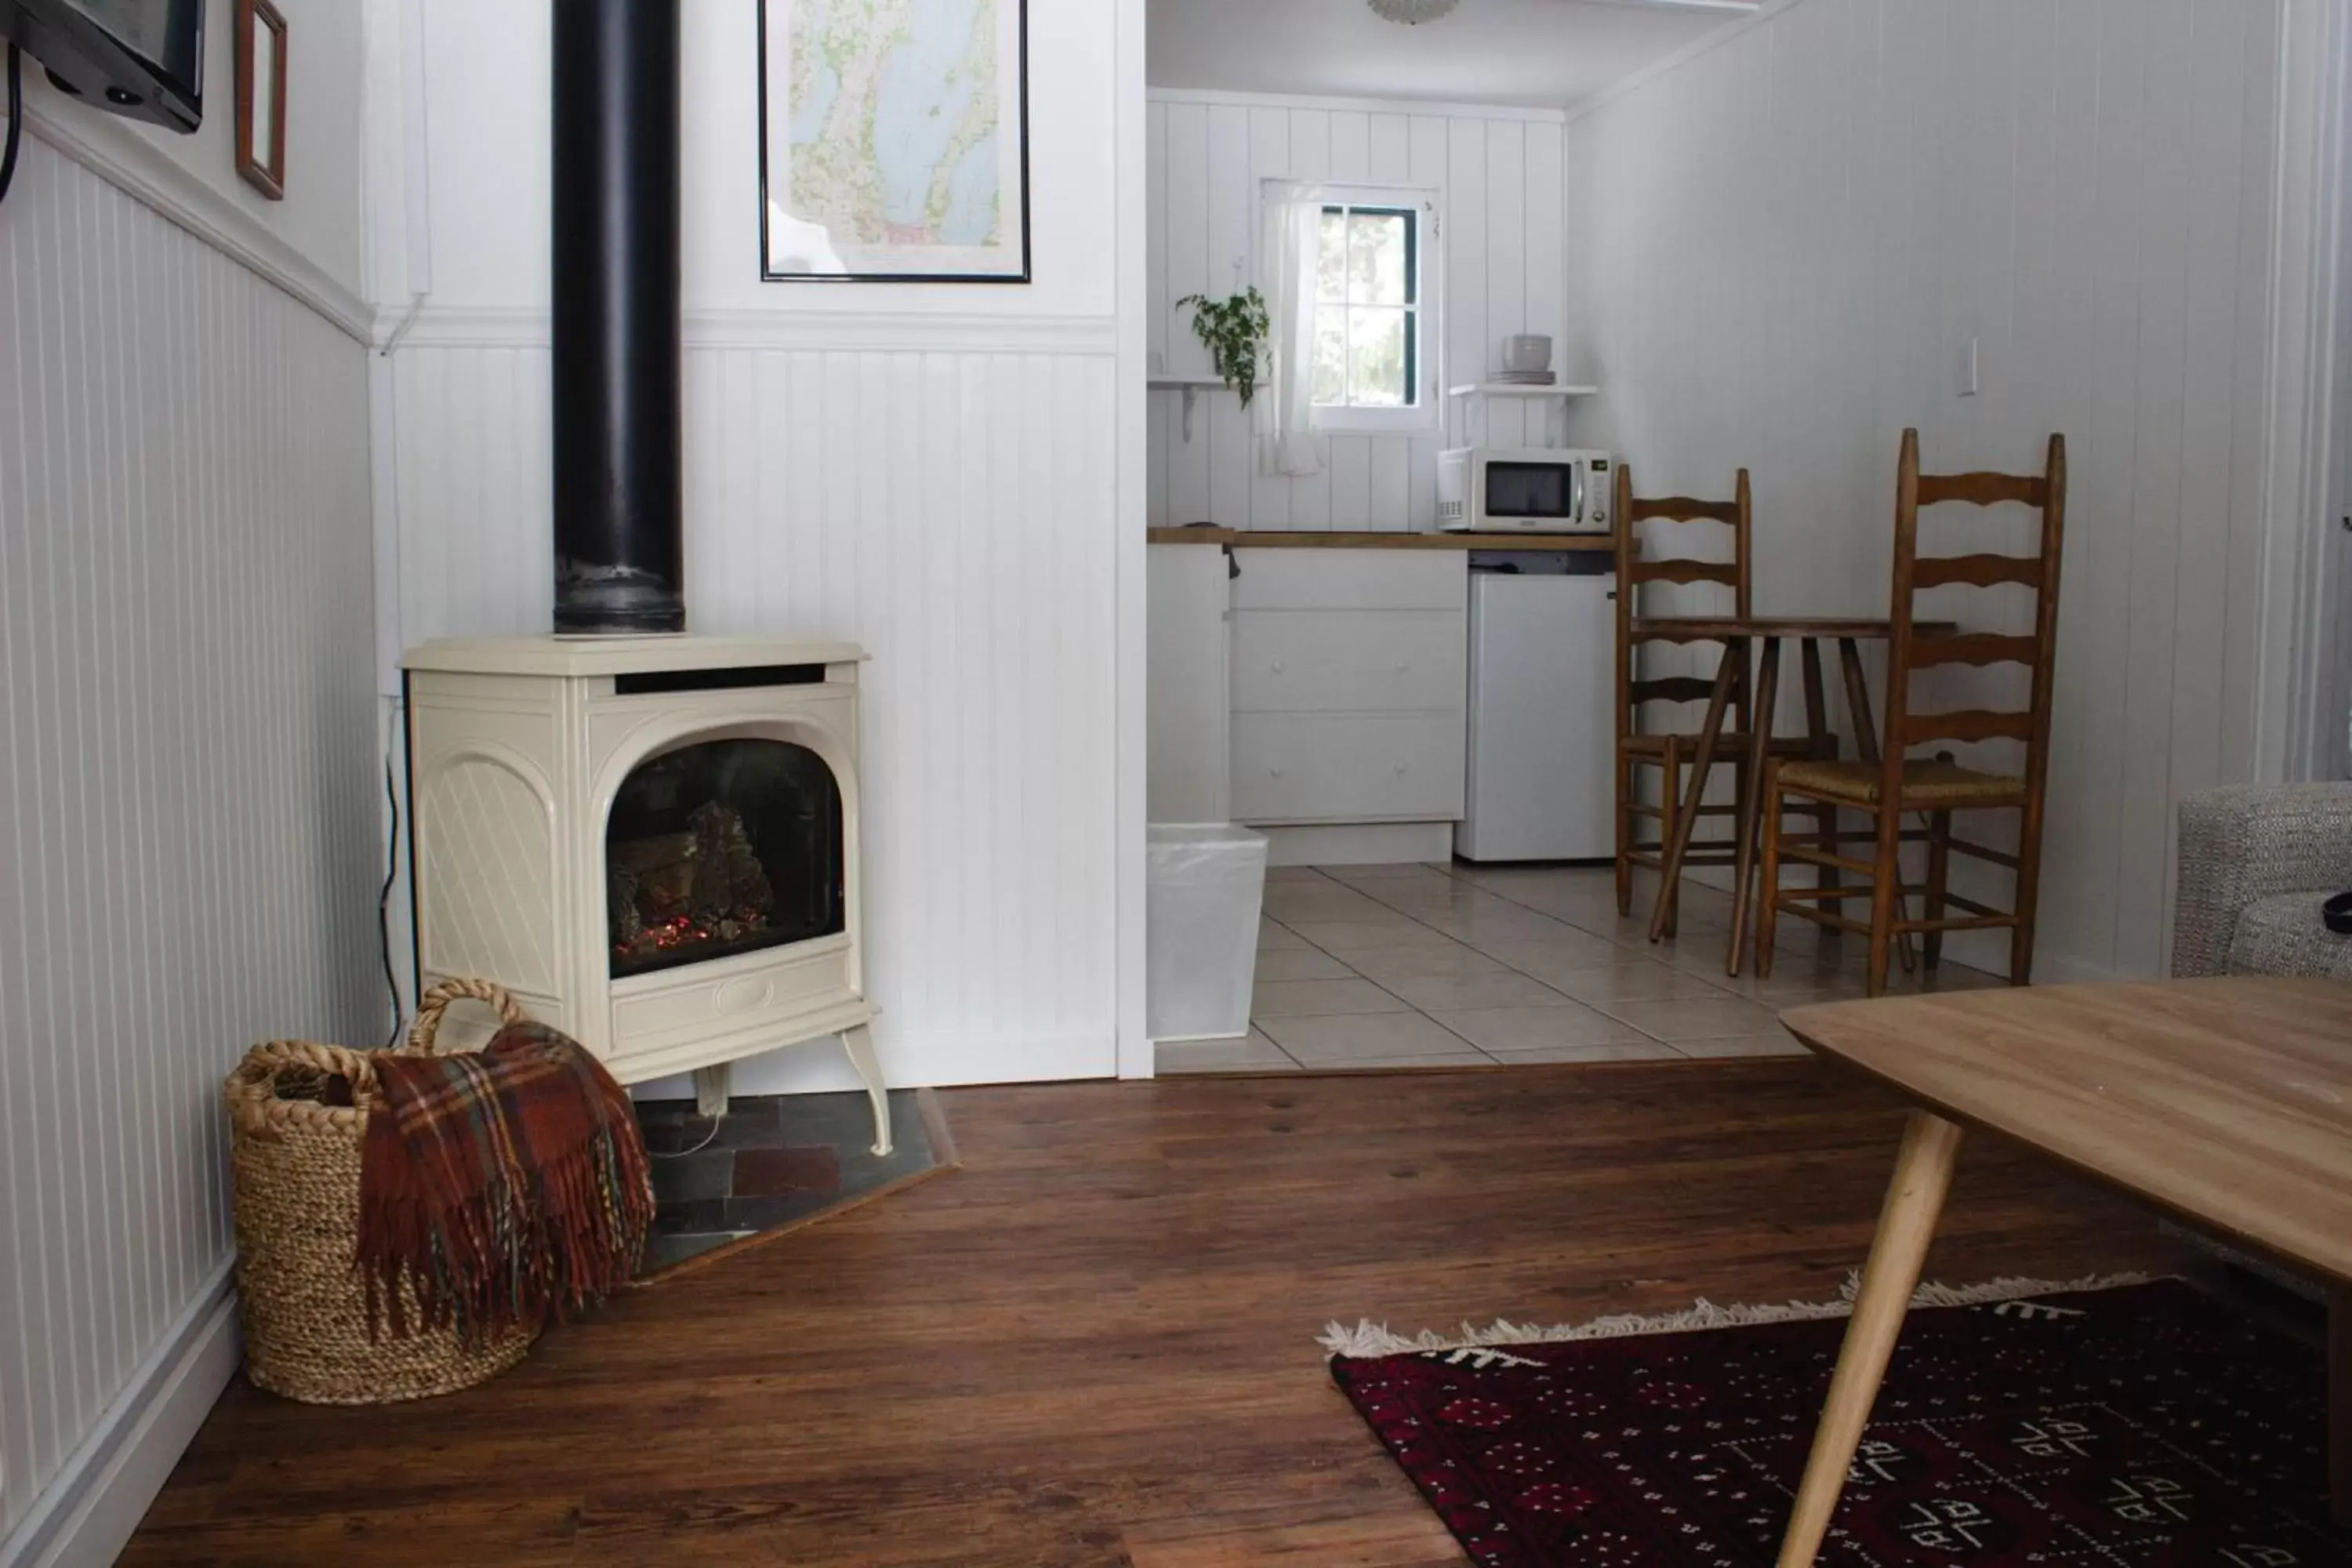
[{"x": 619, "y": 516}]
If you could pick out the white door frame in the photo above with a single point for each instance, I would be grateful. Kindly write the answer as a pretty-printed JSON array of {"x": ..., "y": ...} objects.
[{"x": 1135, "y": 1052}]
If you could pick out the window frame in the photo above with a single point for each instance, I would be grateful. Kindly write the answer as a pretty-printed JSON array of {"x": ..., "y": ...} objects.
[{"x": 1424, "y": 353}]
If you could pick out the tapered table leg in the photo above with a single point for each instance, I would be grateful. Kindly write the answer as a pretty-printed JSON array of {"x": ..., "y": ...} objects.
[
  {"x": 1759, "y": 746},
  {"x": 1670, "y": 868},
  {"x": 1922, "y": 1175}
]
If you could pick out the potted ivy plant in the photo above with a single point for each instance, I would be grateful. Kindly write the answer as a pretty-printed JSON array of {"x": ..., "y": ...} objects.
[{"x": 1234, "y": 331}]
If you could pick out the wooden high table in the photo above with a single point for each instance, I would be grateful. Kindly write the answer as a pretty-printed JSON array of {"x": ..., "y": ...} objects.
[
  {"x": 1737, "y": 633},
  {"x": 2227, "y": 1102}
]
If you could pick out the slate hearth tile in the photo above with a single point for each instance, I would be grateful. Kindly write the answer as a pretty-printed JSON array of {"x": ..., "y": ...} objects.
[
  {"x": 696, "y": 1214},
  {"x": 682, "y": 1178},
  {"x": 661, "y": 1251},
  {"x": 776, "y": 1173},
  {"x": 766, "y": 1213},
  {"x": 749, "y": 1123},
  {"x": 844, "y": 1119},
  {"x": 664, "y": 1136}
]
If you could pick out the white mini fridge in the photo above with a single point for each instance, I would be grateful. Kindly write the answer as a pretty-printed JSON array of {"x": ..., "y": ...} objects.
[{"x": 1542, "y": 656}]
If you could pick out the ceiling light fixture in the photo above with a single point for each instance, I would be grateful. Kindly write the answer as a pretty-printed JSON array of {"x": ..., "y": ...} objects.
[{"x": 1412, "y": 13}]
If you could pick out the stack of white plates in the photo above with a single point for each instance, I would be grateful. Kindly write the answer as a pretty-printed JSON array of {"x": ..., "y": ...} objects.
[{"x": 1527, "y": 378}]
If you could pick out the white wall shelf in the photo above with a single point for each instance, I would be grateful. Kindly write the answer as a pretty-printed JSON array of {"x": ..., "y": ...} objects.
[
  {"x": 1192, "y": 386},
  {"x": 1517, "y": 389},
  {"x": 1521, "y": 391}
]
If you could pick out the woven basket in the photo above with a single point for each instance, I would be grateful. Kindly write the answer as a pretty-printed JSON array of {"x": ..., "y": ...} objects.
[{"x": 297, "y": 1113}]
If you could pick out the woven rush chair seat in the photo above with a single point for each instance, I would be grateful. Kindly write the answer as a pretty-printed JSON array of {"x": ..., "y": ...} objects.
[
  {"x": 1728, "y": 743},
  {"x": 1925, "y": 783}
]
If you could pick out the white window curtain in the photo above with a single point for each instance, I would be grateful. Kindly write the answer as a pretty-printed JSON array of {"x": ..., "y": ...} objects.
[{"x": 1292, "y": 239}]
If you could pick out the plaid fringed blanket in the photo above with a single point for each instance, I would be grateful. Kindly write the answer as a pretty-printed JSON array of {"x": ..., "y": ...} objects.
[{"x": 508, "y": 1185}]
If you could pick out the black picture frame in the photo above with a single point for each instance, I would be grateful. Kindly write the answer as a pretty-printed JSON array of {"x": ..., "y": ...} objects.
[{"x": 1021, "y": 274}]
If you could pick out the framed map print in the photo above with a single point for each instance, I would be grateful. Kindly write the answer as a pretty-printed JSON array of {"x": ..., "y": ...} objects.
[{"x": 894, "y": 140}]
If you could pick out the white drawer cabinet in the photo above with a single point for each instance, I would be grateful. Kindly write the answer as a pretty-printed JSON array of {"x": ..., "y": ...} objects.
[
  {"x": 1347, "y": 767},
  {"x": 1352, "y": 580},
  {"x": 1350, "y": 686},
  {"x": 1351, "y": 662}
]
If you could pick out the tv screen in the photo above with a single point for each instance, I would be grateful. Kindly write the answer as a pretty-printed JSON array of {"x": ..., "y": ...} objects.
[{"x": 144, "y": 58}]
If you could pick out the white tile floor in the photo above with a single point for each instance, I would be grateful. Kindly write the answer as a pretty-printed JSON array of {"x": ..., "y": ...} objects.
[{"x": 1374, "y": 967}]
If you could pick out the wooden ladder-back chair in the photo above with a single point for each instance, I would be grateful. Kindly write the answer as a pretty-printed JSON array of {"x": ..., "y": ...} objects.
[
  {"x": 1672, "y": 752},
  {"x": 1935, "y": 786}
]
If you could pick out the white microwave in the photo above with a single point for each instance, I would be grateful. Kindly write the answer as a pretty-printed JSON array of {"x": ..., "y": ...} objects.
[{"x": 1536, "y": 490}]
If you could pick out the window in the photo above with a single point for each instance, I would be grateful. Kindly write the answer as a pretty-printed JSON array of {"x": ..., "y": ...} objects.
[{"x": 1370, "y": 291}]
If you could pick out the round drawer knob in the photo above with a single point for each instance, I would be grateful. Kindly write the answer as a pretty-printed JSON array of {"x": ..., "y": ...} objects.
[
  {"x": 1274, "y": 773},
  {"x": 1399, "y": 767},
  {"x": 1277, "y": 667},
  {"x": 1404, "y": 667}
]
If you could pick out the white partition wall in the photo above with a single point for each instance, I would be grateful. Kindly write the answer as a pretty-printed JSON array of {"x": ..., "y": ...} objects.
[
  {"x": 1799, "y": 234},
  {"x": 930, "y": 471}
]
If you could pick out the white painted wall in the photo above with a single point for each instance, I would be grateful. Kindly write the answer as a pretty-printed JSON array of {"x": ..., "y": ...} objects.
[
  {"x": 188, "y": 807},
  {"x": 323, "y": 219},
  {"x": 930, "y": 471},
  {"x": 485, "y": 108},
  {"x": 1542, "y": 54},
  {"x": 1799, "y": 226},
  {"x": 1498, "y": 176}
]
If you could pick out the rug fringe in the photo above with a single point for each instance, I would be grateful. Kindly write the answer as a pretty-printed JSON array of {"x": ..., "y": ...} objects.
[{"x": 1369, "y": 1339}]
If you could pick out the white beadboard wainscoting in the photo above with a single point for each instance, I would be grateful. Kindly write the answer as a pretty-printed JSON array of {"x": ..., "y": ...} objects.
[
  {"x": 955, "y": 514},
  {"x": 1498, "y": 181},
  {"x": 1797, "y": 232},
  {"x": 189, "y": 808}
]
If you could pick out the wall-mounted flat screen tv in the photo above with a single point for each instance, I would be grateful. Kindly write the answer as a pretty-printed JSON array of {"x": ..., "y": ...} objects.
[{"x": 144, "y": 58}]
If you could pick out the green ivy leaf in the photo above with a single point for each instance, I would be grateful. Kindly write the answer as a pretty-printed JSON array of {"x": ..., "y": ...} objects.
[{"x": 1234, "y": 331}]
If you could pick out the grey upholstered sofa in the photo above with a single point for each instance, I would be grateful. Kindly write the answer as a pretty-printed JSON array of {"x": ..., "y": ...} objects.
[{"x": 2256, "y": 862}]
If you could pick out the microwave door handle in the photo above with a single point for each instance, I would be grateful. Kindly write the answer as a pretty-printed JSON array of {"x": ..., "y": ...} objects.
[{"x": 1576, "y": 493}]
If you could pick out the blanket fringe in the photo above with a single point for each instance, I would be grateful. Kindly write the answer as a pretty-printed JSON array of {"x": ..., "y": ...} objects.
[{"x": 1369, "y": 1339}]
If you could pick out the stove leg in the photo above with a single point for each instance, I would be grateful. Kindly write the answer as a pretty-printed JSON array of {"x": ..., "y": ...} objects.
[
  {"x": 712, "y": 1087},
  {"x": 858, "y": 1042}
]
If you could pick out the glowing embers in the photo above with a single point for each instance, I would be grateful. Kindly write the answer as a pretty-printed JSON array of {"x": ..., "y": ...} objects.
[{"x": 722, "y": 848}]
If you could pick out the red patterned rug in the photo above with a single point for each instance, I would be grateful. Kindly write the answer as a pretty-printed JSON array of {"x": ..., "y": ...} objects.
[{"x": 2140, "y": 1426}]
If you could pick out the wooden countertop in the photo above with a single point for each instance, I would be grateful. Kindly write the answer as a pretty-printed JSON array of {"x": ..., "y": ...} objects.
[{"x": 1244, "y": 539}]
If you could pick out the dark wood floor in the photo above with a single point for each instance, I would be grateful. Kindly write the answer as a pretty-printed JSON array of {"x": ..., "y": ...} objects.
[{"x": 1095, "y": 1344}]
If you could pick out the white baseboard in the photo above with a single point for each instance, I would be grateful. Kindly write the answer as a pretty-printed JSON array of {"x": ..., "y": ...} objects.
[
  {"x": 2057, "y": 969},
  {"x": 1359, "y": 843},
  {"x": 86, "y": 1513}
]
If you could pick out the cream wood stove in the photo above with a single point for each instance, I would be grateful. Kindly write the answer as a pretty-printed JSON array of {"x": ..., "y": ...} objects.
[{"x": 652, "y": 841}]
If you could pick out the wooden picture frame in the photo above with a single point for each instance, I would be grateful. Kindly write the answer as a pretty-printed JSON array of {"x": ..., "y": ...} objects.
[{"x": 261, "y": 86}]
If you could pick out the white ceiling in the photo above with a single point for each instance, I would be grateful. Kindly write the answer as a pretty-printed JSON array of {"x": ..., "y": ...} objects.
[{"x": 1540, "y": 53}]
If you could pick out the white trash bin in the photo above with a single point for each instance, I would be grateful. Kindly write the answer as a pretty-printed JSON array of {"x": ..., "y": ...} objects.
[{"x": 1204, "y": 883}]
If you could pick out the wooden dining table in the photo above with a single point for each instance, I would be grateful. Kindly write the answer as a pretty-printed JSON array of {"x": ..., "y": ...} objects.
[{"x": 1739, "y": 633}]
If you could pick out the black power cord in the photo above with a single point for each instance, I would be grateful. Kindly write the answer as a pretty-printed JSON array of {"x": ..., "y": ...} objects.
[
  {"x": 16, "y": 118},
  {"x": 383, "y": 900}
]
